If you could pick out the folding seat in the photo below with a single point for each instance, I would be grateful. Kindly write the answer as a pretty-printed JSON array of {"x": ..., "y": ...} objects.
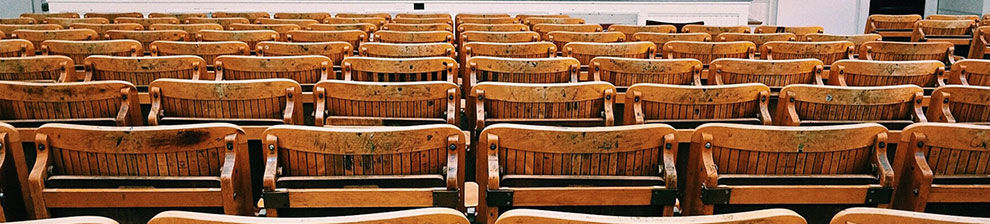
[
  {"x": 390, "y": 50},
  {"x": 706, "y": 52},
  {"x": 318, "y": 16},
  {"x": 491, "y": 27},
  {"x": 54, "y": 68},
  {"x": 561, "y": 104},
  {"x": 146, "y": 37},
  {"x": 225, "y": 22},
  {"x": 367, "y": 28},
  {"x": 738, "y": 165},
  {"x": 757, "y": 38},
  {"x": 281, "y": 29},
  {"x": 970, "y": 72},
  {"x": 8, "y": 29},
  {"x": 662, "y": 38},
  {"x": 585, "y": 51},
  {"x": 799, "y": 31},
  {"x": 40, "y": 17},
  {"x": 714, "y": 30},
  {"x": 960, "y": 104},
  {"x": 487, "y": 20},
  {"x": 979, "y": 49},
  {"x": 182, "y": 16},
  {"x": 380, "y": 167},
  {"x": 198, "y": 167},
  {"x": 459, "y": 16},
  {"x": 941, "y": 163},
  {"x": 510, "y": 50},
  {"x": 18, "y": 21},
  {"x": 827, "y": 52},
  {"x": 141, "y": 71},
  {"x": 66, "y": 22},
  {"x": 16, "y": 48},
  {"x": 926, "y": 74},
  {"x": 423, "y": 215},
  {"x": 547, "y": 20},
  {"x": 253, "y": 16},
  {"x": 561, "y": 38},
  {"x": 624, "y": 72},
  {"x": 112, "y": 16},
  {"x": 857, "y": 39},
  {"x": 353, "y": 37},
  {"x": 985, "y": 20},
  {"x": 422, "y": 15},
  {"x": 386, "y": 16},
  {"x": 523, "y": 17},
  {"x": 79, "y": 50},
  {"x": 543, "y": 29},
  {"x": 38, "y": 36},
  {"x": 209, "y": 51},
  {"x": 810, "y": 105},
  {"x": 386, "y": 104},
  {"x": 418, "y": 27},
  {"x": 867, "y": 215},
  {"x": 336, "y": 51},
  {"x": 775, "y": 74},
  {"x": 767, "y": 216},
  {"x": 191, "y": 29},
  {"x": 101, "y": 29},
  {"x": 302, "y": 23},
  {"x": 891, "y": 26},
  {"x": 689, "y": 106},
  {"x": 25, "y": 104},
  {"x": 423, "y": 21},
  {"x": 498, "y": 37},
  {"x": 913, "y": 51},
  {"x": 975, "y": 18},
  {"x": 251, "y": 37},
  {"x": 630, "y": 30},
  {"x": 623, "y": 169},
  {"x": 241, "y": 102},
  {"x": 16, "y": 189},
  {"x": 371, "y": 69},
  {"x": 957, "y": 32},
  {"x": 378, "y": 21},
  {"x": 407, "y": 37},
  {"x": 146, "y": 22},
  {"x": 306, "y": 70},
  {"x": 521, "y": 70},
  {"x": 70, "y": 220}
]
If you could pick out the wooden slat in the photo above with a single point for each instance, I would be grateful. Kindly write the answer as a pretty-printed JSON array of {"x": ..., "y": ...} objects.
[
  {"x": 958, "y": 193},
  {"x": 178, "y": 197},
  {"x": 350, "y": 198},
  {"x": 581, "y": 196},
  {"x": 791, "y": 194}
]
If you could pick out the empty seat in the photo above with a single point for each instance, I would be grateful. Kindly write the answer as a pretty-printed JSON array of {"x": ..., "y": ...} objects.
[
  {"x": 543, "y": 29},
  {"x": 387, "y": 36},
  {"x": 191, "y": 29},
  {"x": 561, "y": 38},
  {"x": 714, "y": 30},
  {"x": 8, "y": 29},
  {"x": 383, "y": 167},
  {"x": 857, "y": 39},
  {"x": 147, "y": 22},
  {"x": 54, "y": 68},
  {"x": 827, "y": 52},
  {"x": 521, "y": 70},
  {"x": 953, "y": 17},
  {"x": 585, "y": 51},
  {"x": 624, "y": 72},
  {"x": 209, "y": 51},
  {"x": 491, "y": 27},
  {"x": 481, "y": 15},
  {"x": 141, "y": 71},
  {"x": 182, "y": 16},
  {"x": 633, "y": 168},
  {"x": 224, "y": 22},
  {"x": 423, "y": 215},
  {"x": 829, "y": 165},
  {"x": 354, "y": 37},
  {"x": 26, "y": 104},
  {"x": 562, "y": 104},
  {"x": 912, "y": 51},
  {"x": 767, "y": 216},
  {"x": 867, "y": 215},
  {"x": 306, "y": 70},
  {"x": 399, "y": 69},
  {"x": 811, "y": 105},
  {"x": 382, "y": 15},
  {"x": 18, "y": 20},
  {"x": 422, "y": 21},
  {"x": 302, "y": 23},
  {"x": 662, "y": 38},
  {"x": 79, "y": 50},
  {"x": 378, "y": 21},
  {"x": 386, "y": 104},
  {"x": 498, "y": 37},
  {"x": 775, "y": 74},
  {"x": 418, "y": 27},
  {"x": 367, "y": 28},
  {"x": 690, "y": 106},
  {"x": 510, "y": 50},
  {"x": 66, "y": 22},
  {"x": 958, "y": 32},
  {"x": 41, "y": 16},
  {"x": 799, "y": 31},
  {"x": 422, "y": 15},
  {"x": 16, "y": 48},
  {"x": 316, "y": 16},
  {"x": 757, "y": 38},
  {"x": 146, "y": 37},
  {"x": 487, "y": 20},
  {"x": 16, "y": 187},
  {"x": 630, "y": 30},
  {"x": 251, "y": 37},
  {"x": 242, "y": 102},
  {"x": 523, "y": 17},
  {"x": 926, "y": 74},
  {"x": 38, "y": 36},
  {"x": 101, "y": 29},
  {"x": 896, "y": 26},
  {"x": 960, "y": 104},
  {"x": 706, "y": 52},
  {"x": 336, "y": 51},
  {"x": 941, "y": 162},
  {"x": 70, "y": 220},
  {"x": 390, "y": 50},
  {"x": 114, "y": 15},
  {"x": 282, "y": 29},
  {"x": 970, "y": 72},
  {"x": 531, "y": 21},
  {"x": 253, "y": 16},
  {"x": 979, "y": 49}
]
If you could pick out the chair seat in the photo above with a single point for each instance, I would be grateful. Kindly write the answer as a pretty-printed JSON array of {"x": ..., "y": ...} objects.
[
  {"x": 847, "y": 179},
  {"x": 241, "y": 122},
  {"x": 67, "y": 181},
  {"x": 889, "y": 124},
  {"x": 578, "y": 180},
  {"x": 694, "y": 123},
  {"x": 977, "y": 180},
  {"x": 81, "y": 121},
  {"x": 375, "y": 181}
]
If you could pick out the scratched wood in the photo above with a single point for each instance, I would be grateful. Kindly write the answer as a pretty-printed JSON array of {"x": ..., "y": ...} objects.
[
  {"x": 953, "y": 17},
  {"x": 113, "y": 16},
  {"x": 447, "y": 21},
  {"x": 630, "y": 30},
  {"x": 53, "y": 68},
  {"x": 106, "y": 102},
  {"x": 521, "y": 70},
  {"x": 141, "y": 71},
  {"x": 18, "y": 20},
  {"x": 907, "y": 51},
  {"x": 336, "y": 50},
  {"x": 38, "y": 36},
  {"x": 253, "y": 16},
  {"x": 959, "y": 32},
  {"x": 251, "y": 37},
  {"x": 8, "y": 29},
  {"x": 960, "y": 104},
  {"x": 79, "y": 50},
  {"x": 531, "y": 21},
  {"x": 561, "y": 38},
  {"x": 209, "y": 51},
  {"x": 181, "y": 16},
  {"x": 714, "y": 30},
  {"x": 302, "y": 23},
  {"x": 545, "y": 28},
  {"x": 418, "y": 27},
  {"x": 799, "y": 31},
  {"x": 978, "y": 49},
  {"x": 41, "y": 16},
  {"x": 385, "y": 103},
  {"x": 487, "y": 20},
  {"x": 970, "y": 72},
  {"x": 224, "y": 22},
  {"x": 935, "y": 151},
  {"x": 459, "y": 16},
  {"x": 776, "y": 74},
  {"x": 259, "y": 100},
  {"x": 395, "y": 50},
  {"x": 757, "y": 38},
  {"x": 399, "y": 69},
  {"x": 66, "y": 22},
  {"x": 422, "y": 15},
  {"x": 662, "y": 38},
  {"x": 191, "y": 29},
  {"x": 382, "y": 15},
  {"x": 585, "y": 51},
  {"x": 378, "y": 21},
  {"x": 662, "y": 103},
  {"x": 707, "y": 52},
  {"x": 317, "y": 16},
  {"x": 146, "y": 22},
  {"x": 511, "y": 50},
  {"x": 16, "y": 48},
  {"x": 857, "y": 39},
  {"x": 562, "y": 104},
  {"x": 827, "y": 52},
  {"x": 354, "y": 37},
  {"x": 306, "y": 69},
  {"x": 624, "y": 72},
  {"x": 491, "y": 27},
  {"x": 926, "y": 74},
  {"x": 521, "y": 216},
  {"x": 387, "y": 36},
  {"x": 891, "y": 25},
  {"x": 101, "y": 29},
  {"x": 424, "y": 215},
  {"x": 146, "y": 37},
  {"x": 367, "y": 28},
  {"x": 281, "y": 29},
  {"x": 802, "y": 104}
]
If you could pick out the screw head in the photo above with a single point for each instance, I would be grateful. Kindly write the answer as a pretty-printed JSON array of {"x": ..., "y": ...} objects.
[
  {"x": 883, "y": 144},
  {"x": 708, "y": 145},
  {"x": 271, "y": 147},
  {"x": 230, "y": 146},
  {"x": 492, "y": 146},
  {"x": 635, "y": 99},
  {"x": 41, "y": 147},
  {"x": 791, "y": 99},
  {"x": 945, "y": 100},
  {"x": 921, "y": 144},
  {"x": 452, "y": 147},
  {"x": 668, "y": 145}
]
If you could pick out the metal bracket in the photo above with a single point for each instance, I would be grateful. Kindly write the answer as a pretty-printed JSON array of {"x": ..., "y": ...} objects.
[
  {"x": 879, "y": 195},
  {"x": 499, "y": 198},
  {"x": 445, "y": 198},
  {"x": 715, "y": 195},
  {"x": 276, "y": 199},
  {"x": 663, "y": 196}
]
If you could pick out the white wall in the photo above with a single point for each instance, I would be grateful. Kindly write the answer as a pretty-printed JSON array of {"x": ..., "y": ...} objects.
[
  {"x": 958, "y": 7},
  {"x": 14, "y": 8},
  {"x": 837, "y": 16}
]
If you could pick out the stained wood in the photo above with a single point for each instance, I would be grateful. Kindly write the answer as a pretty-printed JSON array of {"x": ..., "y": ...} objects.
[
  {"x": 307, "y": 69},
  {"x": 561, "y": 38},
  {"x": 141, "y": 71},
  {"x": 890, "y": 216},
  {"x": 38, "y": 68},
  {"x": 18, "y": 20},
  {"x": 543, "y": 29},
  {"x": 510, "y": 50},
  {"x": 531, "y": 21},
  {"x": 857, "y": 39},
  {"x": 387, "y": 36},
  {"x": 8, "y": 29},
  {"x": 950, "y": 31},
  {"x": 907, "y": 51},
  {"x": 659, "y": 103},
  {"x": 113, "y": 102},
  {"x": 423, "y": 215},
  {"x": 251, "y": 37},
  {"x": 41, "y": 16},
  {"x": 146, "y": 22},
  {"x": 302, "y": 23},
  {"x": 564, "y": 104},
  {"x": 585, "y": 51},
  {"x": 378, "y": 21},
  {"x": 776, "y": 74},
  {"x": 281, "y": 29},
  {"x": 521, "y": 70},
  {"x": 368, "y": 28},
  {"x": 491, "y": 27},
  {"x": 260, "y": 100},
  {"x": 403, "y": 50},
  {"x": 182, "y": 16},
  {"x": 16, "y": 48},
  {"x": 253, "y": 16},
  {"x": 978, "y": 49},
  {"x": 447, "y": 21},
  {"x": 101, "y": 29},
  {"x": 317, "y": 16},
  {"x": 776, "y": 216},
  {"x": 887, "y": 73},
  {"x": 146, "y": 37},
  {"x": 487, "y": 20},
  {"x": 38, "y": 36},
  {"x": 714, "y": 30},
  {"x": 382, "y": 15},
  {"x": 113, "y": 16},
  {"x": 70, "y": 220},
  {"x": 891, "y": 25},
  {"x": 661, "y": 38},
  {"x": 757, "y": 38},
  {"x": 706, "y": 52},
  {"x": 381, "y": 103},
  {"x": 224, "y": 22},
  {"x": 335, "y": 50},
  {"x": 79, "y": 50},
  {"x": 66, "y": 22},
  {"x": 799, "y": 31},
  {"x": 809, "y": 103},
  {"x": 353, "y": 37},
  {"x": 827, "y": 52},
  {"x": 191, "y": 29},
  {"x": 422, "y": 15},
  {"x": 970, "y": 72},
  {"x": 399, "y": 69},
  {"x": 631, "y": 30},
  {"x": 209, "y": 51},
  {"x": 962, "y": 104}
]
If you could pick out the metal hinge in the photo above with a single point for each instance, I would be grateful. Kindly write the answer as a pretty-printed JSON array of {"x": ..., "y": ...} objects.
[
  {"x": 445, "y": 198},
  {"x": 663, "y": 196},
  {"x": 879, "y": 195},
  {"x": 279, "y": 198},
  {"x": 715, "y": 195},
  {"x": 499, "y": 198}
]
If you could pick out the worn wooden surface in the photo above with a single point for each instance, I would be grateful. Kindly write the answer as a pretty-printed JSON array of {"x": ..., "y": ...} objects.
[
  {"x": 146, "y": 22},
  {"x": 423, "y": 216},
  {"x": 146, "y": 37},
  {"x": 302, "y": 23},
  {"x": 141, "y": 71},
  {"x": 16, "y": 48},
  {"x": 567, "y": 104},
  {"x": 662, "y": 38},
  {"x": 225, "y": 22},
  {"x": 70, "y": 220},
  {"x": 282, "y": 29},
  {"x": 706, "y": 52},
  {"x": 422, "y": 15},
  {"x": 548, "y": 20},
  {"x": 307, "y": 69},
  {"x": 491, "y": 27},
  {"x": 561, "y": 38},
  {"x": 521, "y": 70},
  {"x": 18, "y": 20},
  {"x": 368, "y": 28},
  {"x": 714, "y": 30},
  {"x": 757, "y": 38},
  {"x": 907, "y": 51},
  {"x": 262, "y": 100},
  {"x": 543, "y": 29},
  {"x": 66, "y": 22},
  {"x": 585, "y": 51},
  {"x": 447, "y": 21},
  {"x": 418, "y": 27},
  {"x": 978, "y": 49},
  {"x": 251, "y": 37},
  {"x": 487, "y": 20},
  {"x": 113, "y": 16},
  {"x": 38, "y": 36},
  {"x": 378, "y": 21},
  {"x": 857, "y": 39},
  {"x": 963, "y": 104},
  {"x": 511, "y": 50},
  {"x": 887, "y": 73},
  {"x": 959, "y": 32},
  {"x": 891, "y": 216},
  {"x": 799, "y": 31},
  {"x": 940, "y": 150},
  {"x": 810, "y": 104},
  {"x": 248, "y": 15},
  {"x": 953, "y": 17},
  {"x": 630, "y": 30},
  {"x": 53, "y": 68},
  {"x": 827, "y": 52},
  {"x": 660, "y": 103},
  {"x": 970, "y": 72},
  {"x": 41, "y": 16},
  {"x": 209, "y": 51},
  {"x": 354, "y": 37},
  {"x": 102, "y": 29},
  {"x": 768, "y": 216},
  {"x": 8, "y": 29},
  {"x": 891, "y": 25},
  {"x": 113, "y": 102},
  {"x": 79, "y": 50},
  {"x": 776, "y": 74},
  {"x": 459, "y": 16},
  {"x": 394, "y": 50},
  {"x": 191, "y": 29},
  {"x": 399, "y": 69},
  {"x": 381, "y": 103},
  {"x": 316, "y": 16},
  {"x": 386, "y": 16},
  {"x": 387, "y": 36},
  {"x": 335, "y": 50},
  {"x": 181, "y": 16},
  {"x": 624, "y": 72}
]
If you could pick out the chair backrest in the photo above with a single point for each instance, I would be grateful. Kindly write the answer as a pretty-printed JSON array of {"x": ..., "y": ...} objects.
[
  {"x": 264, "y": 100},
  {"x": 422, "y": 15},
  {"x": 146, "y": 37},
  {"x": 209, "y": 51},
  {"x": 706, "y": 52},
  {"x": 307, "y": 69},
  {"x": 103, "y": 102},
  {"x": 382, "y": 15},
  {"x": 487, "y": 20},
  {"x": 317, "y": 16},
  {"x": 225, "y": 22},
  {"x": 191, "y": 29},
  {"x": 827, "y": 52},
  {"x": 69, "y": 220},
  {"x": 876, "y": 23},
  {"x": 378, "y": 21},
  {"x": 585, "y": 51},
  {"x": 800, "y": 31},
  {"x": 960, "y": 104},
  {"x": 18, "y": 20},
  {"x": 646, "y": 102},
  {"x": 66, "y": 22},
  {"x": 714, "y": 30},
  {"x": 511, "y": 50},
  {"x": 41, "y": 16},
  {"x": 387, "y": 36},
  {"x": 662, "y": 38},
  {"x": 970, "y": 72},
  {"x": 566, "y": 104},
  {"x": 757, "y": 38},
  {"x": 491, "y": 27},
  {"x": 499, "y": 37},
  {"x": 767, "y": 216},
  {"x": 390, "y": 50},
  {"x": 857, "y": 39},
  {"x": 146, "y": 22},
  {"x": 79, "y": 50},
  {"x": 182, "y": 16},
  {"x": 547, "y": 20},
  {"x": 459, "y": 16},
  {"x": 251, "y": 37},
  {"x": 8, "y": 29},
  {"x": 141, "y": 71},
  {"x": 931, "y": 29},
  {"x": 16, "y": 48},
  {"x": 336, "y": 50},
  {"x": 376, "y": 103},
  {"x": 399, "y": 69},
  {"x": 447, "y": 21},
  {"x": 776, "y": 74},
  {"x": 423, "y": 215},
  {"x": 522, "y": 70},
  {"x": 353, "y": 37},
  {"x": 302, "y": 23},
  {"x": 102, "y": 29},
  {"x": 953, "y": 17},
  {"x": 38, "y": 36},
  {"x": 54, "y": 68},
  {"x": 418, "y": 27},
  {"x": 561, "y": 38},
  {"x": 248, "y": 15},
  {"x": 979, "y": 47},
  {"x": 523, "y": 17},
  {"x": 867, "y": 215},
  {"x": 543, "y": 29},
  {"x": 887, "y": 73},
  {"x": 946, "y": 150},
  {"x": 800, "y": 103},
  {"x": 112, "y": 16},
  {"x": 630, "y": 30},
  {"x": 911, "y": 51},
  {"x": 281, "y": 29},
  {"x": 624, "y": 72},
  {"x": 367, "y": 28}
]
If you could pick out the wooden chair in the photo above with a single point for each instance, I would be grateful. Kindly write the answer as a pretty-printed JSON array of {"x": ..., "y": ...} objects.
[
  {"x": 16, "y": 48},
  {"x": 101, "y": 29},
  {"x": 879, "y": 215},
  {"x": 18, "y": 21},
  {"x": 386, "y": 16},
  {"x": 281, "y": 29},
  {"x": 640, "y": 173},
  {"x": 423, "y": 215},
  {"x": 370, "y": 69},
  {"x": 757, "y": 38},
  {"x": 827, "y": 52},
  {"x": 251, "y": 37},
  {"x": 970, "y": 72},
  {"x": 487, "y": 20},
  {"x": 391, "y": 104},
  {"x": 811, "y": 105},
  {"x": 367, "y": 28},
  {"x": 15, "y": 187},
  {"x": 491, "y": 27},
  {"x": 206, "y": 167},
  {"x": 55, "y": 68},
  {"x": 975, "y": 18},
  {"x": 112, "y": 16},
  {"x": 933, "y": 160},
  {"x": 191, "y": 29},
  {"x": 585, "y": 51},
  {"x": 985, "y": 20},
  {"x": 8, "y": 29},
  {"x": 896, "y": 26},
  {"x": 624, "y": 72},
  {"x": 523, "y": 17},
  {"x": 390, "y": 50},
  {"x": 336, "y": 51},
  {"x": 302, "y": 23},
  {"x": 521, "y": 70},
  {"x": 422, "y": 15},
  {"x": 253, "y": 16},
  {"x": 799, "y": 31},
  {"x": 25, "y": 104},
  {"x": 378, "y": 21},
  {"x": 690, "y": 106},
  {"x": 41, "y": 16},
  {"x": 857, "y": 39},
  {"x": 979, "y": 49},
  {"x": 560, "y": 104},
  {"x": 544, "y": 29},
  {"x": 70, "y": 220},
  {"x": 926, "y": 74},
  {"x": 242, "y": 102},
  {"x": 147, "y": 22},
  {"x": 510, "y": 50},
  {"x": 146, "y": 37},
  {"x": 422, "y": 21},
  {"x": 224, "y": 22},
  {"x": 662, "y": 38},
  {"x": 737, "y": 164},
  {"x": 363, "y": 169},
  {"x": 714, "y": 30},
  {"x": 418, "y": 27},
  {"x": 631, "y": 30},
  {"x": 707, "y": 52},
  {"x": 38, "y": 36},
  {"x": 459, "y": 16},
  {"x": 79, "y": 50},
  {"x": 913, "y": 51},
  {"x": 960, "y": 104},
  {"x": 408, "y": 37},
  {"x": 316, "y": 16},
  {"x": 353, "y": 37},
  {"x": 209, "y": 51},
  {"x": 141, "y": 71},
  {"x": 498, "y": 37},
  {"x": 306, "y": 70},
  {"x": 767, "y": 216},
  {"x": 182, "y": 16},
  {"x": 561, "y": 38},
  {"x": 776, "y": 74},
  {"x": 547, "y": 20},
  {"x": 957, "y": 32},
  {"x": 66, "y": 22}
]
